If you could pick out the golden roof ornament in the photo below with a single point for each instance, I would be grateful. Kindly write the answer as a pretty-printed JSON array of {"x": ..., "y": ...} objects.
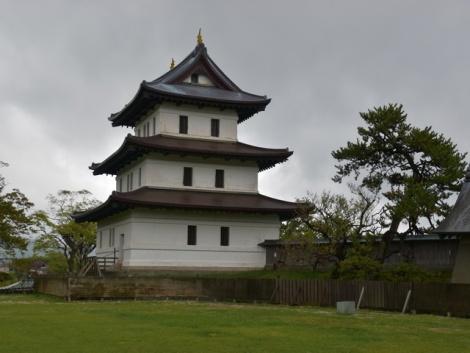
[
  {"x": 199, "y": 38},
  {"x": 172, "y": 64}
]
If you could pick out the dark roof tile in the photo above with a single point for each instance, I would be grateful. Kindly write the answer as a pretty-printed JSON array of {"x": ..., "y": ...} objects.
[
  {"x": 134, "y": 147},
  {"x": 172, "y": 88},
  {"x": 188, "y": 199}
]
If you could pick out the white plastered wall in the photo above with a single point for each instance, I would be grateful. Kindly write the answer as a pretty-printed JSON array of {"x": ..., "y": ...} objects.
[
  {"x": 164, "y": 172},
  {"x": 166, "y": 118},
  {"x": 158, "y": 238}
]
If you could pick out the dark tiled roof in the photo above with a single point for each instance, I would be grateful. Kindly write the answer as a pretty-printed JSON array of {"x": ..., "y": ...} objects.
[
  {"x": 188, "y": 199},
  {"x": 458, "y": 221},
  {"x": 134, "y": 147},
  {"x": 409, "y": 239},
  {"x": 171, "y": 88}
]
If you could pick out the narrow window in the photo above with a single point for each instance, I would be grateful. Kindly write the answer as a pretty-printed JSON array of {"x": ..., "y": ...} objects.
[
  {"x": 224, "y": 236},
  {"x": 131, "y": 182},
  {"x": 144, "y": 130},
  {"x": 188, "y": 176},
  {"x": 183, "y": 124},
  {"x": 140, "y": 176},
  {"x": 111, "y": 237},
  {"x": 128, "y": 179},
  {"x": 194, "y": 78},
  {"x": 219, "y": 178},
  {"x": 192, "y": 235},
  {"x": 148, "y": 128},
  {"x": 215, "y": 127},
  {"x": 101, "y": 239},
  {"x": 153, "y": 124}
]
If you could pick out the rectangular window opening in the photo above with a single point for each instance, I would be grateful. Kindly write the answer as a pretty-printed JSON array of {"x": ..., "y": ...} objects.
[
  {"x": 140, "y": 176},
  {"x": 111, "y": 237},
  {"x": 192, "y": 235},
  {"x": 101, "y": 239},
  {"x": 154, "y": 127},
  {"x": 131, "y": 182},
  {"x": 183, "y": 124},
  {"x": 215, "y": 127},
  {"x": 188, "y": 176},
  {"x": 219, "y": 178},
  {"x": 224, "y": 236}
]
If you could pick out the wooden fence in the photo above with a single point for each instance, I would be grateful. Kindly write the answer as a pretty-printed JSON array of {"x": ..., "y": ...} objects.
[{"x": 436, "y": 298}]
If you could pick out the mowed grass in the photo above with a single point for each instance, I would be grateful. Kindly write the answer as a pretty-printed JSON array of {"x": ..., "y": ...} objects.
[{"x": 33, "y": 323}]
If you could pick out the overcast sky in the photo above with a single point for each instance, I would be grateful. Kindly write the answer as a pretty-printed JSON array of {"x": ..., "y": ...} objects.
[{"x": 66, "y": 65}]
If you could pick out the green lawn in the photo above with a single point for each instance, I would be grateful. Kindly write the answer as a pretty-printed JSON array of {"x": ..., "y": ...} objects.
[{"x": 33, "y": 323}]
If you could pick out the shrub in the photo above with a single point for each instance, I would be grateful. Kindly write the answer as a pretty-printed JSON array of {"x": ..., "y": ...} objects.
[
  {"x": 56, "y": 262},
  {"x": 409, "y": 272},
  {"x": 359, "y": 267},
  {"x": 5, "y": 277},
  {"x": 23, "y": 266}
]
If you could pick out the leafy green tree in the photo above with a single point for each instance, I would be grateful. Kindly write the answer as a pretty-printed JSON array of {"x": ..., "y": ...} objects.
[
  {"x": 328, "y": 224},
  {"x": 74, "y": 240},
  {"x": 17, "y": 218},
  {"x": 415, "y": 169}
]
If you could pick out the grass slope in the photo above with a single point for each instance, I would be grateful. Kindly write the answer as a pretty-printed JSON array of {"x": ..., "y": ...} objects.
[{"x": 32, "y": 323}]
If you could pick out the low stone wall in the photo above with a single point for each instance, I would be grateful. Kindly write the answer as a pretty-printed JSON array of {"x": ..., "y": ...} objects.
[
  {"x": 148, "y": 288},
  {"x": 56, "y": 286}
]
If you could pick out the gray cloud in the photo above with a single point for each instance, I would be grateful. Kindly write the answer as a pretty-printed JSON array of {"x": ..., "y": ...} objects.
[{"x": 65, "y": 66}]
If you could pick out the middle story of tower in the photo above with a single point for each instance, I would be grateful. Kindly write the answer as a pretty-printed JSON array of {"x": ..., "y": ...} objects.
[{"x": 182, "y": 146}]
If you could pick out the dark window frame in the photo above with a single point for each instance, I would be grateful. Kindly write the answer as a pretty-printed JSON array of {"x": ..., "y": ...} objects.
[
  {"x": 192, "y": 235},
  {"x": 224, "y": 236},
  {"x": 219, "y": 178},
  {"x": 187, "y": 176},
  {"x": 183, "y": 127},
  {"x": 215, "y": 127},
  {"x": 194, "y": 78}
]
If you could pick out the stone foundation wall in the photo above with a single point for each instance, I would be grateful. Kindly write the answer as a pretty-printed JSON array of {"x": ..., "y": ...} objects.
[{"x": 148, "y": 288}]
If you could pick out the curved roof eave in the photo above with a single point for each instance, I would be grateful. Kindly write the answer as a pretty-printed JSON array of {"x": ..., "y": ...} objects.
[
  {"x": 190, "y": 200},
  {"x": 265, "y": 157},
  {"x": 248, "y": 104}
]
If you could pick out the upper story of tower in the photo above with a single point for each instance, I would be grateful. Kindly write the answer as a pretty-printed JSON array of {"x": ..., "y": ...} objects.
[
  {"x": 189, "y": 121},
  {"x": 196, "y": 88}
]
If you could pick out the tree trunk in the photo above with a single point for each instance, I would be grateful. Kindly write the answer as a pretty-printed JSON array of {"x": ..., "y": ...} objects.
[{"x": 387, "y": 239}]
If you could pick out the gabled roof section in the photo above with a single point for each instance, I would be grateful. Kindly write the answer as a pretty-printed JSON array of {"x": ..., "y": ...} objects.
[
  {"x": 171, "y": 87},
  {"x": 458, "y": 221},
  {"x": 199, "y": 62},
  {"x": 134, "y": 147},
  {"x": 149, "y": 197}
]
